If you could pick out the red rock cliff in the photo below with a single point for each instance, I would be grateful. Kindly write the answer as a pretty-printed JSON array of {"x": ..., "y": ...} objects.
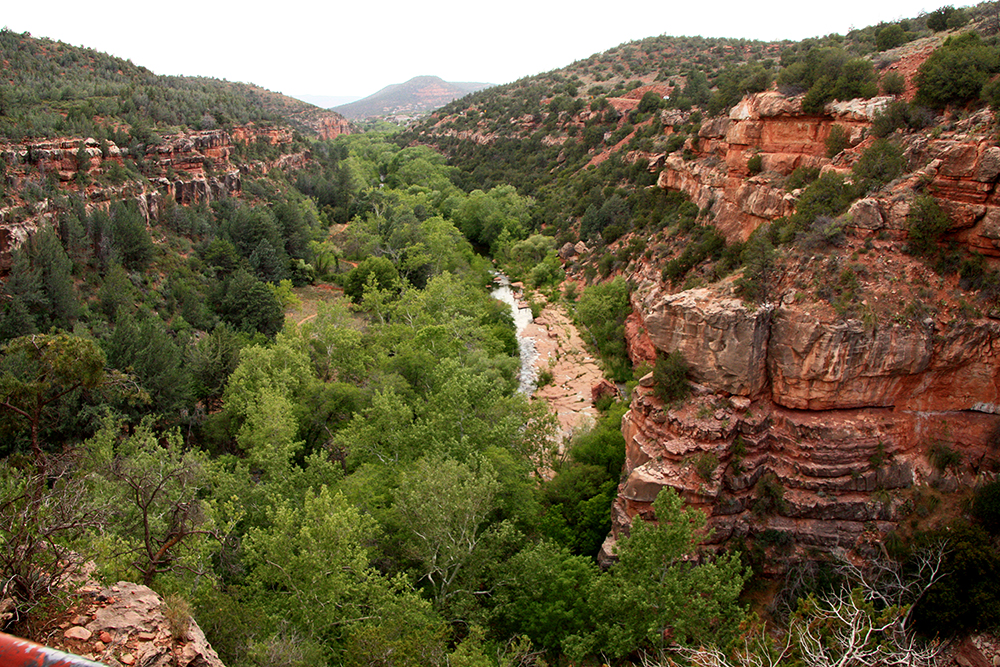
[{"x": 818, "y": 429}]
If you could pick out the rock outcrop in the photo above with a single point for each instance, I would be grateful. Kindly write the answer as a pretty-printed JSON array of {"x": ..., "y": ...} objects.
[
  {"x": 775, "y": 128},
  {"x": 809, "y": 429},
  {"x": 128, "y": 624},
  {"x": 960, "y": 168}
]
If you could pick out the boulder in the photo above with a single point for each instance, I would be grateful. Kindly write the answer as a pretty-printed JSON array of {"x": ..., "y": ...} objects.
[{"x": 723, "y": 340}]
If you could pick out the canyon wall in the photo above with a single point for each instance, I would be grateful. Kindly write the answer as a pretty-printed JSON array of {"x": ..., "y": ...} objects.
[
  {"x": 187, "y": 168},
  {"x": 811, "y": 430}
]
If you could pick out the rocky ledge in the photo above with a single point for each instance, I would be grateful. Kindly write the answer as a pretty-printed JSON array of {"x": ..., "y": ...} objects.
[{"x": 128, "y": 624}]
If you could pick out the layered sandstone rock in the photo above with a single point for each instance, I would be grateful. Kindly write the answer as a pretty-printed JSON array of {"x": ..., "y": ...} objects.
[
  {"x": 822, "y": 365},
  {"x": 806, "y": 427},
  {"x": 813, "y": 481},
  {"x": 724, "y": 340},
  {"x": 775, "y": 128},
  {"x": 960, "y": 168},
  {"x": 807, "y": 358}
]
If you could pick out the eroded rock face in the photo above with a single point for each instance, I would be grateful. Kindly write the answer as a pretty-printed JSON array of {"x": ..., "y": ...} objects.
[
  {"x": 804, "y": 359},
  {"x": 960, "y": 169},
  {"x": 814, "y": 481},
  {"x": 817, "y": 365},
  {"x": 723, "y": 340},
  {"x": 775, "y": 128},
  {"x": 808, "y": 426},
  {"x": 194, "y": 167}
]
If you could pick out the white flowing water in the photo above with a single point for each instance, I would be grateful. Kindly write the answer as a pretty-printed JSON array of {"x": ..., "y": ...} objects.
[{"x": 522, "y": 318}]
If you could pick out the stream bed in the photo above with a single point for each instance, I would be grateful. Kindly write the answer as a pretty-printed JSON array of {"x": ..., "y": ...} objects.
[{"x": 522, "y": 318}]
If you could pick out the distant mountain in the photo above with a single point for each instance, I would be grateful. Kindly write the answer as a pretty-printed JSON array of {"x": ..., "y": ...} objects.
[
  {"x": 327, "y": 101},
  {"x": 419, "y": 95}
]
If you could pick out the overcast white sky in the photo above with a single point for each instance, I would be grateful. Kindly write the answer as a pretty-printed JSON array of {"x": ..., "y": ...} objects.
[{"x": 354, "y": 49}]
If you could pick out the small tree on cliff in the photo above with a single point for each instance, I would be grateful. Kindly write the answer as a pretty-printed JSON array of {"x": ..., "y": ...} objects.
[{"x": 670, "y": 383}]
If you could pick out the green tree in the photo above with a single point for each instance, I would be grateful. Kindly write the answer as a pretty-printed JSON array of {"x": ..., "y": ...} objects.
[
  {"x": 379, "y": 269},
  {"x": 444, "y": 506},
  {"x": 116, "y": 295},
  {"x": 542, "y": 594},
  {"x": 881, "y": 163},
  {"x": 890, "y": 37},
  {"x": 309, "y": 564},
  {"x": 654, "y": 592},
  {"x": 41, "y": 280},
  {"x": 212, "y": 359},
  {"x": 40, "y": 370},
  {"x": 143, "y": 347},
  {"x": 157, "y": 489},
  {"x": 483, "y": 216},
  {"x": 130, "y": 239},
  {"x": 245, "y": 303},
  {"x": 602, "y": 310},
  {"x": 956, "y": 72}
]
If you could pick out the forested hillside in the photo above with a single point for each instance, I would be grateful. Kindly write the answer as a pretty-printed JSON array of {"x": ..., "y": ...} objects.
[
  {"x": 262, "y": 372},
  {"x": 51, "y": 89}
]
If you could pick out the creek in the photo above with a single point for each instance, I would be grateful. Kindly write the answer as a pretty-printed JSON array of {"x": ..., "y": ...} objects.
[{"x": 522, "y": 318}]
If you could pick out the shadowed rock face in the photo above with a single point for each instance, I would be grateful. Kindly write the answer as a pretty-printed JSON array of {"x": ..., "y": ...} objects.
[{"x": 821, "y": 480}]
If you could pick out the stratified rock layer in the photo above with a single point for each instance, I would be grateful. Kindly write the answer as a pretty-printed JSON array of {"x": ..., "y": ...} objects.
[
  {"x": 194, "y": 166},
  {"x": 805, "y": 427}
]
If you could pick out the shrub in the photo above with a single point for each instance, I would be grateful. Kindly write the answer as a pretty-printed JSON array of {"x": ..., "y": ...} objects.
[
  {"x": 769, "y": 495},
  {"x": 650, "y": 102},
  {"x": 944, "y": 457},
  {"x": 946, "y": 18},
  {"x": 957, "y": 71},
  {"x": 706, "y": 464},
  {"x": 926, "y": 223},
  {"x": 986, "y": 506},
  {"x": 837, "y": 140},
  {"x": 670, "y": 377},
  {"x": 758, "y": 258},
  {"x": 890, "y": 37},
  {"x": 801, "y": 177},
  {"x": 824, "y": 231},
  {"x": 967, "y": 597},
  {"x": 881, "y": 163},
  {"x": 899, "y": 115},
  {"x": 755, "y": 164},
  {"x": 893, "y": 83},
  {"x": 178, "y": 614}
]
